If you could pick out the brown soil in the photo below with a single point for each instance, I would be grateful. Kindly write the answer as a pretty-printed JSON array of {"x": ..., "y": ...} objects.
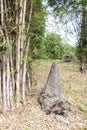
[{"x": 31, "y": 117}]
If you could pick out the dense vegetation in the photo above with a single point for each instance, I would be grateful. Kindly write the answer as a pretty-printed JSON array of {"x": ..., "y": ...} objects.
[
  {"x": 74, "y": 10},
  {"x": 19, "y": 30},
  {"x": 37, "y": 30},
  {"x": 56, "y": 49}
]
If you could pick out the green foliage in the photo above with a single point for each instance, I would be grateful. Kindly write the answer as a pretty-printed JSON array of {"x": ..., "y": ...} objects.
[
  {"x": 56, "y": 49},
  {"x": 81, "y": 53},
  {"x": 82, "y": 44},
  {"x": 26, "y": 128},
  {"x": 68, "y": 51},
  {"x": 75, "y": 10},
  {"x": 27, "y": 59},
  {"x": 15, "y": 99},
  {"x": 84, "y": 128},
  {"x": 49, "y": 47},
  {"x": 54, "y": 46},
  {"x": 64, "y": 7},
  {"x": 37, "y": 30}
]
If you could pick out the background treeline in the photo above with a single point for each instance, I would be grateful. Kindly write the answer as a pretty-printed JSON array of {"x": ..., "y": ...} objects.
[{"x": 52, "y": 46}]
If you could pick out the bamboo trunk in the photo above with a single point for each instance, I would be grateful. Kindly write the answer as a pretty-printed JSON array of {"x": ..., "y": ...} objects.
[
  {"x": 0, "y": 87},
  {"x": 8, "y": 83},
  {"x": 18, "y": 57},
  {"x": 4, "y": 83}
]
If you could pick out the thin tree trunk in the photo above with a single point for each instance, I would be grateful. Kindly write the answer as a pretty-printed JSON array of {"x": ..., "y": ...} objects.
[
  {"x": 26, "y": 54},
  {"x": 4, "y": 83},
  {"x": 18, "y": 57},
  {"x": 0, "y": 87},
  {"x": 8, "y": 83},
  {"x": 2, "y": 16},
  {"x": 23, "y": 80}
]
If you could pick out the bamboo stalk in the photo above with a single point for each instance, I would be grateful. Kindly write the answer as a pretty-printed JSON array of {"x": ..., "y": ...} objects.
[
  {"x": 8, "y": 83},
  {"x": 2, "y": 13},
  {"x": 22, "y": 46},
  {"x": 0, "y": 87},
  {"x": 30, "y": 15},
  {"x": 12, "y": 72},
  {"x": 18, "y": 57},
  {"x": 4, "y": 84},
  {"x": 26, "y": 54}
]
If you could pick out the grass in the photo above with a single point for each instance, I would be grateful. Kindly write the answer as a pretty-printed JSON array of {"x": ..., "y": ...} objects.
[
  {"x": 84, "y": 128},
  {"x": 33, "y": 114},
  {"x": 26, "y": 128},
  {"x": 31, "y": 117},
  {"x": 74, "y": 83}
]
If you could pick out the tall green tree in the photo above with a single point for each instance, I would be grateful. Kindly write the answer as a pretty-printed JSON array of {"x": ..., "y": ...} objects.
[
  {"x": 74, "y": 10},
  {"x": 82, "y": 44},
  {"x": 37, "y": 30}
]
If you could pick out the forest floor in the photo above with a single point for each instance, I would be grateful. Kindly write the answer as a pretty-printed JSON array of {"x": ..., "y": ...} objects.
[{"x": 31, "y": 117}]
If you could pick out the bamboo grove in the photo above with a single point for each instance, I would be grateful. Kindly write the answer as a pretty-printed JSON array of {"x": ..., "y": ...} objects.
[{"x": 15, "y": 21}]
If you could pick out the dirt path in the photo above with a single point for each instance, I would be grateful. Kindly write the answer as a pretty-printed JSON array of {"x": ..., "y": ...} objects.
[{"x": 31, "y": 117}]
